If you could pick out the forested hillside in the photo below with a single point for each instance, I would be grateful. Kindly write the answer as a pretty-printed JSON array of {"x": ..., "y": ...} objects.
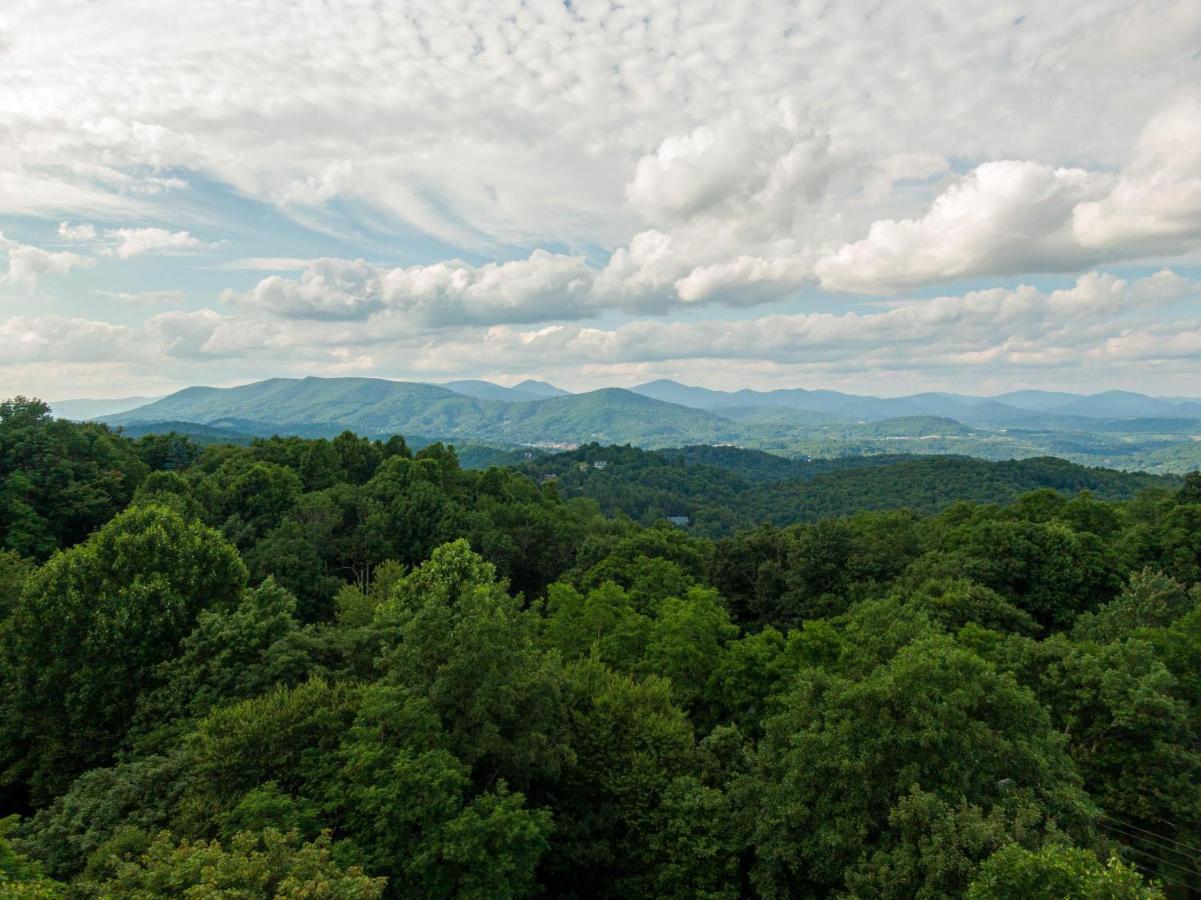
[
  {"x": 721, "y": 489},
  {"x": 320, "y": 407},
  {"x": 342, "y": 669},
  {"x": 1139, "y": 433}
]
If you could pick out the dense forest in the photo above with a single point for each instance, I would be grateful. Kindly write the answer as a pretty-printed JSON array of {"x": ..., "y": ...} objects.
[
  {"x": 722, "y": 489},
  {"x": 344, "y": 669}
]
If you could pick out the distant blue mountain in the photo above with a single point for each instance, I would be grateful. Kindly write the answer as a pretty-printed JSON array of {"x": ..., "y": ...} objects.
[
  {"x": 80, "y": 410},
  {"x": 373, "y": 406},
  {"x": 486, "y": 390},
  {"x": 540, "y": 388},
  {"x": 1033, "y": 409}
]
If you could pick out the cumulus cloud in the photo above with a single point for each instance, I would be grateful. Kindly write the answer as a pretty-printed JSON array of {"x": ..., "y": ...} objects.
[
  {"x": 1003, "y": 218},
  {"x": 27, "y": 263},
  {"x": 745, "y": 167},
  {"x": 744, "y": 280},
  {"x": 130, "y": 242},
  {"x": 1010, "y": 217},
  {"x": 696, "y": 153},
  {"x": 25, "y": 339},
  {"x": 1022, "y": 326},
  {"x": 988, "y": 333},
  {"x": 70, "y": 232},
  {"x": 544, "y": 286},
  {"x": 510, "y": 123},
  {"x": 327, "y": 289},
  {"x": 1155, "y": 205}
]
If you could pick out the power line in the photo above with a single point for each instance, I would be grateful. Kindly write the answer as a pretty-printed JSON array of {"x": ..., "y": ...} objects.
[
  {"x": 1121, "y": 821},
  {"x": 1154, "y": 844},
  {"x": 1164, "y": 862},
  {"x": 1159, "y": 876},
  {"x": 1164, "y": 837}
]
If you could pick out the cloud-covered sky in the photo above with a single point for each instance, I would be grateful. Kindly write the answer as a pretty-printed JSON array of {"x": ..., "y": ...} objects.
[{"x": 874, "y": 196}]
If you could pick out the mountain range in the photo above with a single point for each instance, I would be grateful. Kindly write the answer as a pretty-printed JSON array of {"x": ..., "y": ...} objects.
[{"x": 1112, "y": 428}]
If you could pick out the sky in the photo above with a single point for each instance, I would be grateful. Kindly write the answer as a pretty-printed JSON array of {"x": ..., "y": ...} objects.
[{"x": 880, "y": 197}]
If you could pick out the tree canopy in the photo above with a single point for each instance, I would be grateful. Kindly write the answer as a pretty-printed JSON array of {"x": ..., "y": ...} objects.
[{"x": 338, "y": 668}]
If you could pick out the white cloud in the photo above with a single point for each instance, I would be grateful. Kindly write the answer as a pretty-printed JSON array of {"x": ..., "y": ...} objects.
[
  {"x": 511, "y": 123},
  {"x": 1155, "y": 205},
  {"x": 747, "y": 167},
  {"x": 130, "y": 242},
  {"x": 744, "y": 280},
  {"x": 126, "y": 243},
  {"x": 147, "y": 298},
  {"x": 544, "y": 286},
  {"x": 1012, "y": 217},
  {"x": 1003, "y": 218},
  {"x": 327, "y": 289},
  {"x": 712, "y": 153},
  {"x": 26, "y": 339},
  {"x": 70, "y": 232},
  {"x": 267, "y": 264},
  {"x": 26, "y": 263},
  {"x": 1015, "y": 335},
  {"x": 1018, "y": 327}
]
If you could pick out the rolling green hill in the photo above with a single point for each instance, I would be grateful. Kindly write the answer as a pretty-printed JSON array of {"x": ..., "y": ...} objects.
[
  {"x": 913, "y": 427},
  {"x": 721, "y": 489},
  {"x": 324, "y": 406},
  {"x": 534, "y": 415}
]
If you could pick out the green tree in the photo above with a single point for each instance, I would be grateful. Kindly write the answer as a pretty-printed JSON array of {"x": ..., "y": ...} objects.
[
  {"x": 144, "y": 794},
  {"x": 14, "y": 571},
  {"x": 603, "y": 621},
  {"x": 88, "y": 631},
  {"x": 407, "y": 802},
  {"x": 686, "y": 641},
  {"x": 629, "y": 743},
  {"x": 58, "y": 480},
  {"x": 1151, "y": 599},
  {"x": 21, "y": 876},
  {"x": 465, "y": 644},
  {"x": 265, "y": 865},
  {"x": 1057, "y": 873},
  {"x": 841, "y": 755},
  {"x": 227, "y": 656}
]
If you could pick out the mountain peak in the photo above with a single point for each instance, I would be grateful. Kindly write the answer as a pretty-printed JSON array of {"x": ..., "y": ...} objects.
[{"x": 540, "y": 388}]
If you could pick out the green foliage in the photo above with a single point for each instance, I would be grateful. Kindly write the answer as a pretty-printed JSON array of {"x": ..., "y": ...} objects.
[
  {"x": 466, "y": 645},
  {"x": 142, "y": 794},
  {"x": 433, "y": 681},
  {"x": 14, "y": 571},
  {"x": 127, "y": 596},
  {"x": 21, "y": 876},
  {"x": 58, "y": 479},
  {"x": 723, "y": 489},
  {"x": 284, "y": 736},
  {"x": 839, "y": 757},
  {"x": 269, "y": 807},
  {"x": 231, "y": 654},
  {"x": 1151, "y": 599},
  {"x": 264, "y": 865},
  {"x": 1014, "y": 873},
  {"x": 686, "y": 641},
  {"x": 407, "y": 802},
  {"x": 629, "y": 743}
]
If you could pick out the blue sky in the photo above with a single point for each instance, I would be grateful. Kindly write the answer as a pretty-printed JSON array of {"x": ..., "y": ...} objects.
[{"x": 882, "y": 198}]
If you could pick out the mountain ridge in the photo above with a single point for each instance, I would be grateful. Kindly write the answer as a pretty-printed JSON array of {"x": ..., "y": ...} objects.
[{"x": 788, "y": 422}]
